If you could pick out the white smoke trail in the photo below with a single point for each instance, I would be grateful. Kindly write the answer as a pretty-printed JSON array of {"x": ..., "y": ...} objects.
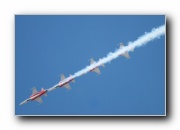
[{"x": 143, "y": 40}]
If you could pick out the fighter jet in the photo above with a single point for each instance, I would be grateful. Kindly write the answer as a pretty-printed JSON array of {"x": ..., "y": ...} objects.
[
  {"x": 63, "y": 83},
  {"x": 96, "y": 69},
  {"x": 126, "y": 54},
  {"x": 35, "y": 96}
]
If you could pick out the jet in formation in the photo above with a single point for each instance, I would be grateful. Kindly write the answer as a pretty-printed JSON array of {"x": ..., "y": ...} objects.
[
  {"x": 64, "y": 83},
  {"x": 126, "y": 54},
  {"x": 96, "y": 69},
  {"x": 36, "y": 96}
]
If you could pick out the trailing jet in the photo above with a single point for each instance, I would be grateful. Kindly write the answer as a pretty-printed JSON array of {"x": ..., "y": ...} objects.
[
  {"x": 63, "y": 83},
  {"x": 35, "y": 96},
  {"x": 96, "y": 69},
  {"x": 126, "y": 54}
]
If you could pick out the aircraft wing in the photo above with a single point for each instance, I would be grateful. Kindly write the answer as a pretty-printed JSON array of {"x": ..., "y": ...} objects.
[
  {"x": 62, "y": 77},
  {"x": 34, "y": 91},
  {"x": 39, "y": 99},
  {"x": 126, "y": 54},
  {"x": 121, "y": 45},
  {"x": 96, "y": 70},
  {"x": 67, "y": 86},
  {"x": 92, "y": 61}
]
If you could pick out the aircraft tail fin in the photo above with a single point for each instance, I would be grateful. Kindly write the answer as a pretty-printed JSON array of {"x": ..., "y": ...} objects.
[
  {"x": 73, "y": 79},
  {"x": 132, "y": 50},
  {"x": 102, "y": 65},
  {"x": 42, "y": 89}
]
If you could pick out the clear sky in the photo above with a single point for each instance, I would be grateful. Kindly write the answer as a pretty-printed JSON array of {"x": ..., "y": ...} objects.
[{"x": 46, "y": 46}]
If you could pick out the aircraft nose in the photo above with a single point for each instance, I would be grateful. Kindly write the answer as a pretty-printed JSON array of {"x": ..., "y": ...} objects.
[{"x": 21, "y": 103}]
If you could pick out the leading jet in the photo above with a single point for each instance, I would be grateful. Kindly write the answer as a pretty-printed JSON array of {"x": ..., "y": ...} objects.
[{"x": 36, "y": 96}]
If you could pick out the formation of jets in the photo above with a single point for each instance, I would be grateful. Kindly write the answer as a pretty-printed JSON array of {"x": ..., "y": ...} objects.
[{"x": 36, "y": 96}]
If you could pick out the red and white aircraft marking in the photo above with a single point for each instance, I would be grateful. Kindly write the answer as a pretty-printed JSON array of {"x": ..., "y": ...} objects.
[
  {"x": 35, "y": 96},
  {"x": 63, "y": 83}
]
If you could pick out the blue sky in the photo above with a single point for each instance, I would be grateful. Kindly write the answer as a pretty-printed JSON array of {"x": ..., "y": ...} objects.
[{"x": 46, "y": 46}]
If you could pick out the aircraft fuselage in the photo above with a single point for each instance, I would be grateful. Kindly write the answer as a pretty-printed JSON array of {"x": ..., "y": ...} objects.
[
  {"x": 93, "y": 69},
  {"x": 34, "y": 96},
  {"x": 61, "y": 85}
]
